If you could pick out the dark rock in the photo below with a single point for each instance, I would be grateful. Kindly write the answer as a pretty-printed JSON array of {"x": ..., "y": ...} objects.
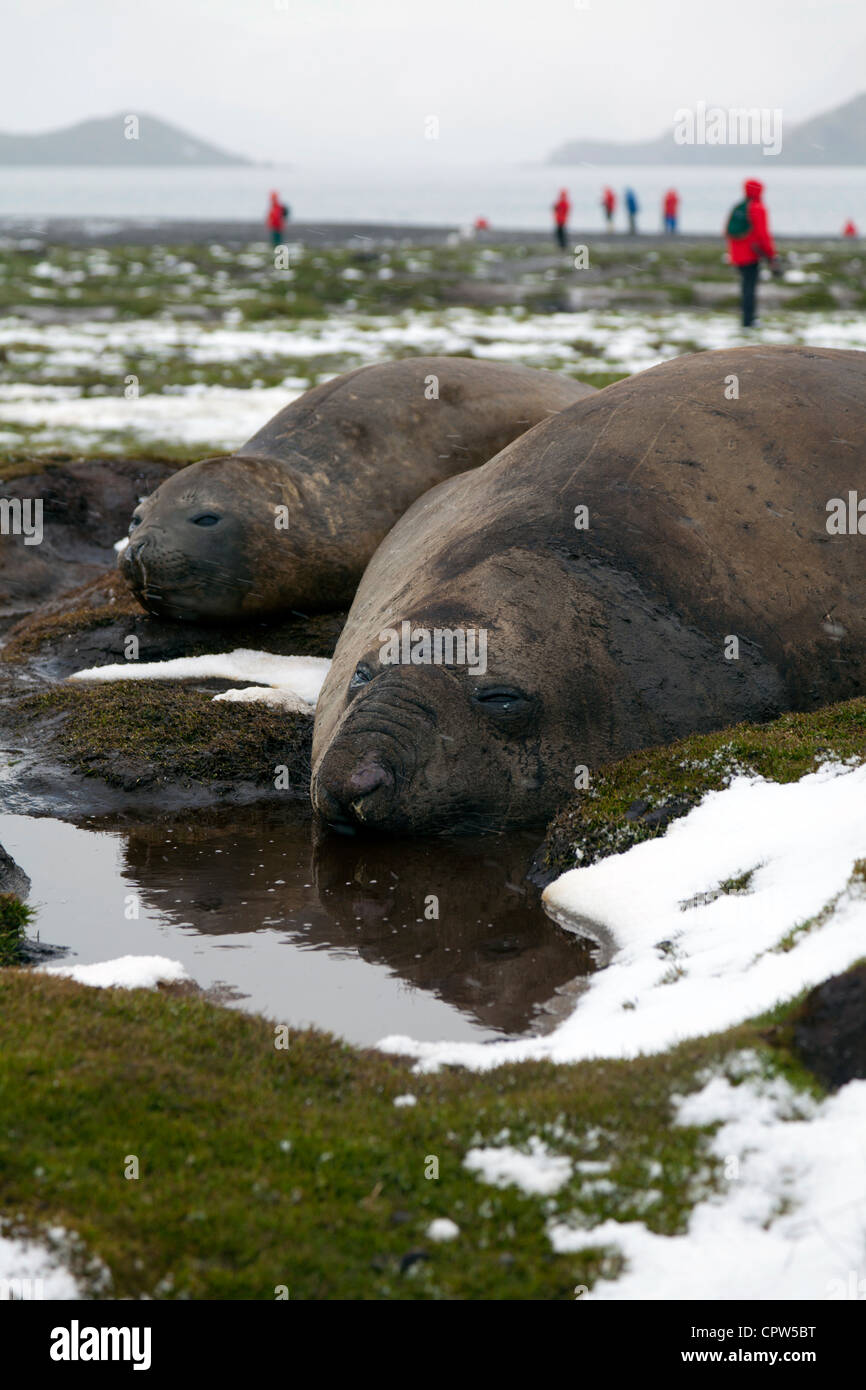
[
  {"x": 12, "y": 878},
  {"x": 411, "y": 1258},
  {"x": 830, "y": 1029},
  {"x": 86, "y": 508}
]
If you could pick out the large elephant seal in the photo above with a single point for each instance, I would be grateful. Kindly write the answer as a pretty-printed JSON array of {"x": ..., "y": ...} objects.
[
  {"x": 291, "y": 520},
  {"x": 654, "y": 561}
]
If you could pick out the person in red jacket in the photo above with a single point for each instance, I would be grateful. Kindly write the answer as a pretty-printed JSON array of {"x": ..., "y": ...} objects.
[
  {"x": 670, "y": 209},
  {"x": 276, "y": 219},
  {"x": 608, "y": 202},
  {"x": 561, "y": 209},
  {"x": 749, "y": 241},
  {"x": 849, "y": 229}
]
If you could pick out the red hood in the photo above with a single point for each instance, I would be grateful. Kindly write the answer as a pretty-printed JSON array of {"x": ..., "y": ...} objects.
[{"x": 753, "y": 188}]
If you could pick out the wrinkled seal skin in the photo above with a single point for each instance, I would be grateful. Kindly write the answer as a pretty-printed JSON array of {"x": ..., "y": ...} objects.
[
  {"x": 347, "y": 459},
  {"x": 707, "y": 518}
]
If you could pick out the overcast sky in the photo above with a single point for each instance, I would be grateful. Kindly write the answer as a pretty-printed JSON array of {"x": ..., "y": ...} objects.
[{"x": 350, "y": 82}]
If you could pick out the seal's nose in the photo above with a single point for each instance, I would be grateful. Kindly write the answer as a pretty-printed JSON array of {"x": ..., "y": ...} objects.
[
  {"x": 344, "y": 800},
  {"x": 367, "y": 775},
  {"x": 130, "y": 557}
]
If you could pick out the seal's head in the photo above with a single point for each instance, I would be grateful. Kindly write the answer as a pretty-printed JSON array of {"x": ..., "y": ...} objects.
[
  {"x": 218, "y": 540},
  {"x": 481, "y": 738}
]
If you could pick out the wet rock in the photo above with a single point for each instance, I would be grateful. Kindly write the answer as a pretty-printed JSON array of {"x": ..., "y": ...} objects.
[
  {"x": 86, "y": 506},
  {"x": 12, "y": 878},
  {"x": 663, "y": 815},
  {"x": 87, "y": 749},
  {"x": 830, "y": 1029},
  {"x": 655, "y": 816}
]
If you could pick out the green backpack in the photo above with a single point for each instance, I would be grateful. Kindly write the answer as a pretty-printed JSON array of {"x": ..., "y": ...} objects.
[{"x": 739, "y": 224}]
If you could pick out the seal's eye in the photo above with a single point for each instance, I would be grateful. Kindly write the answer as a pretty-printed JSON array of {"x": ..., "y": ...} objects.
[
  {"x": 496, "y": 697},
  {"x": 205, "y": 519},
  {"x": 505, "y": 703},
  {"x": 362, "y": 675},
  {"x": 134, "y": 521}
]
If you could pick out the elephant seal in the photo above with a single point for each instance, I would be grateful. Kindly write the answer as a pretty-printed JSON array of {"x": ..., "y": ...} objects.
[
  {"x": 291, "y": 520},
  {"x": 655, "y": 561}
]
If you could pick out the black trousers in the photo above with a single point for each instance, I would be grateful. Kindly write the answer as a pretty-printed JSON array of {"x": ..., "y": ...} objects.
[
  {"x": 749, "y": 278},
  {"x": 560, "y": 234}
]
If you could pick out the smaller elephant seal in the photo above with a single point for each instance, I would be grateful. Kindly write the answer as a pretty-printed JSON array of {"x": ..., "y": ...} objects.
[
  {"x": 290, "y": 521},
  {"x": 682, "y": 551}
]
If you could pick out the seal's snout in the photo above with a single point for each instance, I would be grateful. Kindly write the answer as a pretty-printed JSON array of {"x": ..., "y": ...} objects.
[
  {"x": 130, "y": 558},
  {"x": 357, "y": 794},
  {"x": 368, "y": 775}
]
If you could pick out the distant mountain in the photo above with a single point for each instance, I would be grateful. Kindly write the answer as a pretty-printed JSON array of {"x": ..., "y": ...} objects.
[
  {"x": 111, "y": 140},
  {"x": 836, "y": 137}
]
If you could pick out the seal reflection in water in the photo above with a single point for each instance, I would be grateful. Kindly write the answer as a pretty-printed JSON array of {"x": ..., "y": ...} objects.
[
  {"x": 290, "y": 521},
  {"x": 464, "y": 925},
  {"x": 653, "y": 562}
]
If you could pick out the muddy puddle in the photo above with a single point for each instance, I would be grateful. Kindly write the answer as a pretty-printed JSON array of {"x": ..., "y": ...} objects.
[{"x": 311, "y": 928}]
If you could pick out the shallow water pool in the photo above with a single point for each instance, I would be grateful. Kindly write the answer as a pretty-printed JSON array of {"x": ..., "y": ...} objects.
[{"x": 310, "y": 928}]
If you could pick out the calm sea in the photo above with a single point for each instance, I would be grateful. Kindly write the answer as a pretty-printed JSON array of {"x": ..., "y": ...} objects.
[{"x": 815, "y": 200}]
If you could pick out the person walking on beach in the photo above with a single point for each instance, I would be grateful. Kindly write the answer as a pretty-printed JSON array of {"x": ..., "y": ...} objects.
[
  {"x": 608, "y": 202},
  {"x": 276, "y": 219},
  {"x": 750, "y": 242},
  {"x": 632, "y": 207},
  {"x": 561, "y": 209},
  {"x": 671, "y": 209}
]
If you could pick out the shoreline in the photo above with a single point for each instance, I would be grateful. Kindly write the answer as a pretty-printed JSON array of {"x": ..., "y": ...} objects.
[{"x": 133, "y": 231}]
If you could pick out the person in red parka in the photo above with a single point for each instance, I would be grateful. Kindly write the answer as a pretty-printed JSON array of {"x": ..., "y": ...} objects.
[
  {"x": 749, "y": 242},
  {"x": 849, "y": 229},
  {"x": 561, "y": 209},
  {"x": 670, "y": 209},
  {"x": 276, "y": 219},
  {"x": 608, "y": 202}
]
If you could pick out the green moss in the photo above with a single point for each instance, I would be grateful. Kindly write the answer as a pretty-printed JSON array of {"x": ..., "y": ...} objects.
[
  {"x": 635, "y": 799},
  {"x": 14, "y": 916},
  {"x": 601, "y": 379},
  {"x": 18, "y": 464},
  {"x": 680, "y": 294},
  {"x": 816, "y": 297},
  {"x": 262, "y": 1167},
  {"x": 140, "y": 732},
  {"x": 741, "y": 883},
  {"x": 98, "y": 604}
]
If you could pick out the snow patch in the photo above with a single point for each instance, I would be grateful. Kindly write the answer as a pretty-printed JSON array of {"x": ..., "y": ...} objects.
[
  {"x": 31, "y": 1270},
  {"x": 538, "y": 1171},
  {"x": 126, "y": 972},
  {"x": 292, "y": 682},
  {"x": 688, "y": 957},
  {"x": 790, "y": 1222},
  {"x": 443, "y": 1228}
]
